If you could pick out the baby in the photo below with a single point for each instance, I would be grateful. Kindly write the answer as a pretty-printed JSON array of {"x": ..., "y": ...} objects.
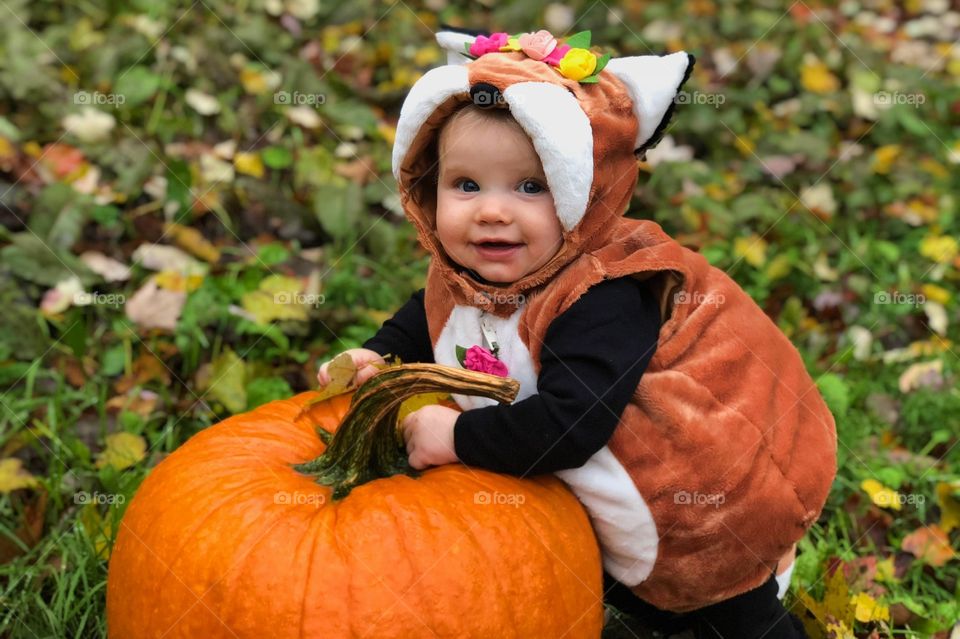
[{"x": 681, "y": 417}]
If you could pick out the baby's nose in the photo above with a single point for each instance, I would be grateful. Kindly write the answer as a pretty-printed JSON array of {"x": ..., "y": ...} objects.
[{"x": 492, "y": 209}]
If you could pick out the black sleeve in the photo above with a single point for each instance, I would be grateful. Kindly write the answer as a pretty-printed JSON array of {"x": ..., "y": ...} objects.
[
  {"x": 592, "y": 358},
  {"x": 405, "y": 334}
]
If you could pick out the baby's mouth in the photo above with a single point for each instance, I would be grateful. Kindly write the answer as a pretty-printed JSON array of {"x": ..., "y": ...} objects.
[{"x": 498, "y": 245}]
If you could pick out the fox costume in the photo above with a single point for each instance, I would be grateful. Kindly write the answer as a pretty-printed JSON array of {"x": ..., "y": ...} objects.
[{"x": 725, "y": 407}]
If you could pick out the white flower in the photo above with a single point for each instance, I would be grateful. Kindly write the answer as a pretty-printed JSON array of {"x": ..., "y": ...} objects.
[{"x": 90, "y": 125}]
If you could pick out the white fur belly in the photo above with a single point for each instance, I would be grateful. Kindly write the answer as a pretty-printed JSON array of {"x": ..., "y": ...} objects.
[
  {"x": 620, "y": 516},
  {"x": 463, "y": 329}
]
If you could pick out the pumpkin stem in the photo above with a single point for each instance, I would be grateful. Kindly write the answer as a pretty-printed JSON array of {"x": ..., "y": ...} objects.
[{"x": 369, "y": 444}]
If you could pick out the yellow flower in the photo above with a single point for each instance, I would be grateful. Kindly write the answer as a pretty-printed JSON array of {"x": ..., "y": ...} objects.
[
  {"x": 578, "y": 64},
  {"x": 513, "y": 44}
]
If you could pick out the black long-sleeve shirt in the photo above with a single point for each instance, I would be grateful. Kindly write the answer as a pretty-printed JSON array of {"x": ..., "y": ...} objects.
[{"x": 591, "y": 361}]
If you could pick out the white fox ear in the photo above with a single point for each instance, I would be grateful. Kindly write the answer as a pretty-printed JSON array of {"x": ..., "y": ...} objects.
[
  {"x": 452, "y": 42},
  {"x": 653, "y": 82}
]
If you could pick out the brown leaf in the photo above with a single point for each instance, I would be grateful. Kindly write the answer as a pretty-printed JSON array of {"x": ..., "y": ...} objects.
[
  {"x": 929, "y": 544},
  {"x": 30, "y": 529}
]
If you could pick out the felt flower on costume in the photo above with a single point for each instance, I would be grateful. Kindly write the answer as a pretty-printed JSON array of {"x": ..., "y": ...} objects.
[
  {"x": 537, "y": 45},
  {"x": 578, "y": 64},
  {"x": 484, "y": 44},
  {"x": 572, "y": 58},
  {"x": 477, "y": 358}
]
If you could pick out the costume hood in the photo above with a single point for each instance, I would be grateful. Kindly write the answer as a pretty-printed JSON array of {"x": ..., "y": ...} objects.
[{"x": 588, "y": 137}]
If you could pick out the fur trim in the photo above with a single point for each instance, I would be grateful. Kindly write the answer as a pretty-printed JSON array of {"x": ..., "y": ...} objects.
[
  {"x": 653, "y": 83},
  {"x": 434, "y": 88},
  {"x": 452, "y": 42},
  {"x": 563, "y": 138}
]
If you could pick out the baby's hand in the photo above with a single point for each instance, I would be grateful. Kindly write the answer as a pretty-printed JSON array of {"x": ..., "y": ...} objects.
[
  {"x": 428, "y": 433},
  {"x": 363, "y": 358}
]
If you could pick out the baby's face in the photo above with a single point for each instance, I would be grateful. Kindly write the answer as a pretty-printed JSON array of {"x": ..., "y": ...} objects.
[{"x": 494, "y": 212}]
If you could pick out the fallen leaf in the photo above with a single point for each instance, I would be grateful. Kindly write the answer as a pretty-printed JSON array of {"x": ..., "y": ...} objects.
[
  {"x": 162, "y": 257},
  {"x": 884, "y": 157},
  {"x": 30, "y": 530},
  {"x": 866, "y": 608},
  {"x": 155, "y": 307},
  {"x": 752, "y": 249},
  {"x": 227, "y": 382},
  {"x": 948, "y": 495},
  {"x": 929, "y": 544},
  {"x": 816, "y": 77},
  {"x": 13, "y": 476},
  {"x": 278, "y": 298},
  {"x": 881, "y": 495},
  {"x": 922, "y": 374},
  {"x": 190, "y": 239},
  {"x": 90, "y": 125},
  {"x": 123, "y": 450},
  {"x": 62, "y": 296},
  {"x": 202, "y": 103},
  {"x": 249, "y": 164},
  {"x": 106, "y": 267}
]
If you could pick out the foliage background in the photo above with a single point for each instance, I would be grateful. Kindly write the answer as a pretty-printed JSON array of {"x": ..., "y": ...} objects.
[{"x": 197, "y": 208}]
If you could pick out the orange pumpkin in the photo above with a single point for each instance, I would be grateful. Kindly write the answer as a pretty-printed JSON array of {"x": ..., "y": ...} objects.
[{"x": 233, "y": 536}]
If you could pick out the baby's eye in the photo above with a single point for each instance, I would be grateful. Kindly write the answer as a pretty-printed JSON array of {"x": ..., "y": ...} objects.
[
  {"x": 532, "y": 187},
  {"x": 467, "y": 185}
]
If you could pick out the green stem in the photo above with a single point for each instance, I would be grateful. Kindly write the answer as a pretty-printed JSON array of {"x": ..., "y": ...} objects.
[{"x": 369, "y": 444}]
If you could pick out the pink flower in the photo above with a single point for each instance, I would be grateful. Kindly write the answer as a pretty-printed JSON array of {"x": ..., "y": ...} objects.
[
  {"x": 557, "y": 54},
  {"x": 483, "y": 44},
  {"x": 538, "y": 45},
  {"x": 478, "y": 358}
]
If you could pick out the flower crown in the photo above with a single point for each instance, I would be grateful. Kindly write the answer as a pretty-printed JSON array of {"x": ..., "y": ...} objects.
[{"x": 572, "y": 59}]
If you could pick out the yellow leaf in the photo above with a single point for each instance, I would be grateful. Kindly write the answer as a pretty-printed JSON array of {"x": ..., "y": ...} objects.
[
  {"x": 881, "y": 495},
  {"x": 123, "y": 450},
  {"x": 13, "y": 476},
  {"x": 419, "y": 401},
  {"x": 744, "y": 145},
  {"x": 884, "y": 157},
  {"x": 278, "y": 298},
  {"x": 935, "y": 293},
  {"x": 839, "y": 630},
  {"x": 778, "y": 267},
  {"x": 886, "y": 571},
  {"x": 190, "y": 239},
  {"x": 177, "y": 281},
  {"x": 387, "y": 132},
  {"x": 934, "y": 168},
  {"x": 948, "y": 494},
  {"x": 249, "y": 164},
  {"x": 341, "y": 372},
  {"x": 98, "y": 530},
  {"x": 753, "y": 249},
  {"x": 939, "y": 248},
  {"x": 817, "y": 78},
  {"x": 867, "y": 609}
]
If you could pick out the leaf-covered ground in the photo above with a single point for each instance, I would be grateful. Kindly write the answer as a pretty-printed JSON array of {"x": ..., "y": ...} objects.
[{"x": 196, "y": 208}]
